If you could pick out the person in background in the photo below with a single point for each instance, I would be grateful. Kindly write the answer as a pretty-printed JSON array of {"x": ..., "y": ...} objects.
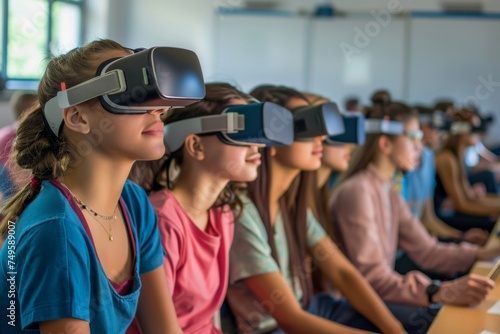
[
  {"x": 11, "y": 177},
  {"x": 469, "y": 208},
  {"x": 482, "y": 165},
  {"x": 381, "y": 97},
  {"x": 420, "y": 183},
  {"x": 352, "y": 105},
  {"x": 270, "y": 287},
  {"x": 371, "y": 220}
]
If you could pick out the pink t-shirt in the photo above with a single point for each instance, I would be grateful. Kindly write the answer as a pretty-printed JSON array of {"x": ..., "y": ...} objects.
[
  {"x": 7, "y": 137},
  {"x": 196, "y": 261}
]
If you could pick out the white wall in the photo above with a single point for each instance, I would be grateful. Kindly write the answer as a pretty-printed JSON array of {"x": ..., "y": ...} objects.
[{"x": 194, "y": 24}]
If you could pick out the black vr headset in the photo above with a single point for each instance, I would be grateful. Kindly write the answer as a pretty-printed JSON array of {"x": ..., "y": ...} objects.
[
  {"x": 150, "y": 79},
  {"x": 261, "y": 124},
  {"x": 315, "y": 121},
  {"x": 354, "y": 124}
]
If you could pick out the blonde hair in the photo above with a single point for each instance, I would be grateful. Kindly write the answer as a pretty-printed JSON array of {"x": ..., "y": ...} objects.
[{"x": 35, "y": 148}]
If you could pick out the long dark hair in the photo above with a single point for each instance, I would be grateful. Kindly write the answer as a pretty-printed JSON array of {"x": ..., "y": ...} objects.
[{"x": 293, "y": 204}]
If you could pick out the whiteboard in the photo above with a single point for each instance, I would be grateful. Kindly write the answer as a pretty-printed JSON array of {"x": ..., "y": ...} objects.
[
  {"x": 256, "y": 49},
  {"x": 448, "y": 56},
  {"x": 452, "y": 57},
  {"x": 379, "y": 61}
]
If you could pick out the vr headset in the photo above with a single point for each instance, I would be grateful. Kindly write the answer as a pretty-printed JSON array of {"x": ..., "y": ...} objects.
[
  {"x": 457, "y": 128},
  {"x": 354, "y": 124},
  {"x": 435, "y": 120},
  {"x": 315, "y": 121},
  {"x": 150, "y": 79},
  {"x": 383, "y": 126},
  {"x": 261, "y": 124}
]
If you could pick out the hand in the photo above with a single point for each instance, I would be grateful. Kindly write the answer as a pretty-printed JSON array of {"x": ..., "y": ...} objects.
[
  {"x": 476, "y": 236},
  {"x": 468, "y": 290},
  {"x": 479, "y": 190}
]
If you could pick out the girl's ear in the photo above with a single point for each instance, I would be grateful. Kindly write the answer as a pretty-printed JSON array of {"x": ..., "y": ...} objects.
[
  {"x": 76, "y": 120},
  {"x": 194, "y": 147},
  {"x": 385, "y": 145}
]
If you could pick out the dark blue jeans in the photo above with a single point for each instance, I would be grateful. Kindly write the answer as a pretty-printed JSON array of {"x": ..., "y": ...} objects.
[{"x": 415, "y": 319}]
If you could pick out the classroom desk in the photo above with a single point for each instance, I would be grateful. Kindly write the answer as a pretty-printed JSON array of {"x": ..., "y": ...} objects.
[{"x": 472, "y": 320}]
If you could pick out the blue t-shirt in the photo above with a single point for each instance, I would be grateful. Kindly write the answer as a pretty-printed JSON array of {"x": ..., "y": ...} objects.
[
  {"x": 418, "y": 185},
  {"x": 57, "y": 273}
]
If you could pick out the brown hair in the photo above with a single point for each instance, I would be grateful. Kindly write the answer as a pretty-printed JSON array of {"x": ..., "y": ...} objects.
[
  {"x": 35, "y": 148},
  {"x": 364, "y": 155},
  {"x": 293, "y": 204},
  {"x": 280, "y": 95}
]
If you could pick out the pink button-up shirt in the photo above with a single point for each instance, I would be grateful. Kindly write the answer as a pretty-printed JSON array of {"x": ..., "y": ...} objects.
[{"x": 371, "y": 221}]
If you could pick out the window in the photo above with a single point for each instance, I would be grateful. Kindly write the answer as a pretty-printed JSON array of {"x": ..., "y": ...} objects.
[{"x": 31, "y": 31}]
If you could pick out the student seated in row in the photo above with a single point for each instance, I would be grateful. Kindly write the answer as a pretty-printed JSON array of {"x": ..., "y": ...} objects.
[
  {"x": 193, "y": 200},
  {"x": 469, "y": 208},
  {"x": 419, "y": 183},
  {"x": 88, "y": 256},
  {"x": 371, "y": 221},
  {"x": 270, "y": 286}
]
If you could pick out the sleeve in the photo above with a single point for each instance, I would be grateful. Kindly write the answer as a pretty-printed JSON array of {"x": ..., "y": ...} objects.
[
  {"x": 50, "y": 260},
  {"x": 315, "y": 231},
  {"x": 426, "y": 251},
  {"x": 250, "y": 253},
  {"x": 354, "y": 217},
  {"x": 149, "y": 243},
  {"x": 172, "y": 242}
]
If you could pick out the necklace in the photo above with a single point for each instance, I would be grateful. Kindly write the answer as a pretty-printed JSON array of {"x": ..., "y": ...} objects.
[
  {"x": 95, "y": 214},
  {"x": 110, "y": 233},
  {"x": 92, "y": 211}
]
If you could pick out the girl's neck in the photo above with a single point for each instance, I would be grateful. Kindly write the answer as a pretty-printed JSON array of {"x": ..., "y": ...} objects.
[
  {"x": 197, "y": 191},
  {"x": 98, "y": 182},
  {"x": 283, "y": 177},
  {"x": 323, "y": 175},
  {"x": 385, "y": 167}
]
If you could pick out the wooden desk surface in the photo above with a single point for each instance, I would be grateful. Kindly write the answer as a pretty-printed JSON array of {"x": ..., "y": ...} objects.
[{"x": 467, "y": 320}]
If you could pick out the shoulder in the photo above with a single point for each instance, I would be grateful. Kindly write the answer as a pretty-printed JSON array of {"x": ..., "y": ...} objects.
[
  {"x": 445, "y": 156},
  {"x": 250, "y": 211},
  {"x": 50, "y": 206},
  {"x": 133, "y": 193},
  {"x": 163, "y": 201},
  {"x": 355, "y": 186},
  {"x": 172, "y": 218}
]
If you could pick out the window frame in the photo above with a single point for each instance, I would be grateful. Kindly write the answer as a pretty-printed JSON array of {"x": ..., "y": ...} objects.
[{"x": 32, "y": 83}]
